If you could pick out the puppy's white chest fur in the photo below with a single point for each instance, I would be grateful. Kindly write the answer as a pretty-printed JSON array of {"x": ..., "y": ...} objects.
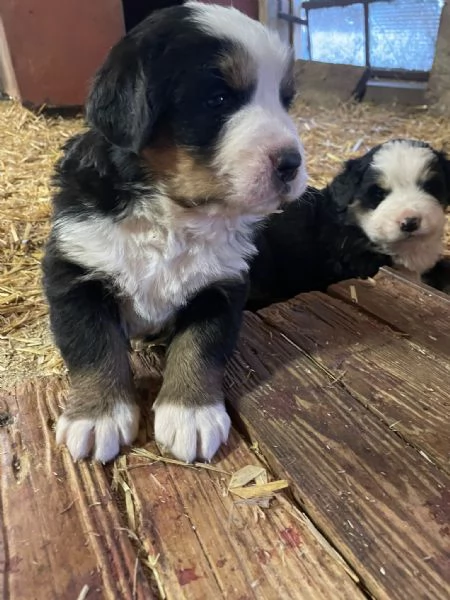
[{"x": 158, "y": 266}]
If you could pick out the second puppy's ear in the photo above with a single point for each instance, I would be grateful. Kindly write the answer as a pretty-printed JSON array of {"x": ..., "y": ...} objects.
[
  {"x": 119, "y": 104},
  {"x": 344, "y": 186}
]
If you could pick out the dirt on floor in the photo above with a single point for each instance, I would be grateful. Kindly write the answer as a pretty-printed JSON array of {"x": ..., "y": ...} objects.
[{"x": 29, "y": 145}]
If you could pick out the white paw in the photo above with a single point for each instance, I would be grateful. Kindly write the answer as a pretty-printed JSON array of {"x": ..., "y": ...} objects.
[
  {"x": 190, "y": 433},
  {"x": 102, "y": 436}
]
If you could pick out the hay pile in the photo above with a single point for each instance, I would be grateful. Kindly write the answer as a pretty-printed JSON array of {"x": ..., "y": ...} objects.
[{"x": 29, "y": 146}]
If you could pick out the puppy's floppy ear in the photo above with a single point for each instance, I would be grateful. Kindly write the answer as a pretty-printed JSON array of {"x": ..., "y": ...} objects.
[
  {"x": 119, "y": 103},
  {"x": 344, "y": 186}
]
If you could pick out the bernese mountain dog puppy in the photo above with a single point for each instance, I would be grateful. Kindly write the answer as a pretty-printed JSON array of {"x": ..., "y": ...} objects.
[
  {"x": 189, "y": 147},
  {"x": 386, "y": 208}
]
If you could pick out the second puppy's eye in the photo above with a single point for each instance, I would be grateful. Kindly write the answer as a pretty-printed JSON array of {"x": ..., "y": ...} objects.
[
  {"x": 433, "y": 186},
  {"x": 375, "y": 195}
]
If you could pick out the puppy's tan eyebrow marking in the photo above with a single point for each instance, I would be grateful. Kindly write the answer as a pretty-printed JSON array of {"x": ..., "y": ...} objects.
[{"x": 238, "y": 68}]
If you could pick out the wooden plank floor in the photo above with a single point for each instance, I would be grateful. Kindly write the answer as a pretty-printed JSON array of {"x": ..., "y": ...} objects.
[{"x": 350, "y": 402}]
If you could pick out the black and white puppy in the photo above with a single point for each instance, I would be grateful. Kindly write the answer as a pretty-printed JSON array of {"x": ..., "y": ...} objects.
[
  {"x": 386, "y": 208},
  {"x": 189, "y": 146}
]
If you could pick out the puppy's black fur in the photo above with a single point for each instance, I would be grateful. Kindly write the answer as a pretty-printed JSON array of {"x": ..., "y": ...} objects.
[
  {"x": 308, "y": 247},
  {"x": 438, "y": 277}
]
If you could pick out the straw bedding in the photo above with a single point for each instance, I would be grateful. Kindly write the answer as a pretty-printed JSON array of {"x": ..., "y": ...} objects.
[{"x": 29, "y": 146}]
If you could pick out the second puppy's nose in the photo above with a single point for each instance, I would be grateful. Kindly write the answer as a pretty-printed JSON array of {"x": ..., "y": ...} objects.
[
  {"x": 286, "y": 165},
  {"x": 410, "y": 224}
]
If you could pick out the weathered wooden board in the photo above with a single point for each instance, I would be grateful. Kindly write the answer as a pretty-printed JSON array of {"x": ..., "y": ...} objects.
[
  {"x": 412, "y": 309},
  {"x": 210, "y": 544},
  {"x": 383, "y": 506},
  {"x": 66, "y": 525},
  {"x": 402, "y": 383},
  {"x": 61, "y": 529}
]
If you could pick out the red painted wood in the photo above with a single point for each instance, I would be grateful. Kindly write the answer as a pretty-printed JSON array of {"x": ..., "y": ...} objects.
[{"x": 56, "y": 46}]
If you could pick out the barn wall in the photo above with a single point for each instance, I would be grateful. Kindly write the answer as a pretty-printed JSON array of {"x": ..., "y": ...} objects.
[
  {"x": 56, "y": 45},
  {"x": 439, "y": 85},
  {"x": 325, "y": 84}
]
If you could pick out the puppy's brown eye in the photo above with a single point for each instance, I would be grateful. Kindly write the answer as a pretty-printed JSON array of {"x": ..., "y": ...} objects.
[{"x": 217, "y": 100}]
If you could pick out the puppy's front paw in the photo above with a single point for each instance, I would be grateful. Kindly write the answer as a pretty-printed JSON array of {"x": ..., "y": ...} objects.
[
  {"x": 102, "y": 435},
  {"x": 191, "y": 432}
]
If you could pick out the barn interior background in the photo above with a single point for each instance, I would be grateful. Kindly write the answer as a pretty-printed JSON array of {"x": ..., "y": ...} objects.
[
  {"x": 362, "y": 440},
  {"x": 368, "y": 70}
]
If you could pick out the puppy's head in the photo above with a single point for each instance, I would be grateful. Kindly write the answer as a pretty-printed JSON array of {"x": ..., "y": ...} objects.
[
  {"x": 397, "y": 193},
  {"x": 201, "y": 93}
]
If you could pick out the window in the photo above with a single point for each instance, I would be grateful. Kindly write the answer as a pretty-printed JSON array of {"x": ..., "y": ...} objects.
[{"x": 398, "y": 34}]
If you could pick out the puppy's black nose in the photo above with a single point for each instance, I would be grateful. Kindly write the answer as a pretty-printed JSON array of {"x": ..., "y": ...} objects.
[
  {"x": 286, "y": 165},
  {"x": 410, "y": 224}
]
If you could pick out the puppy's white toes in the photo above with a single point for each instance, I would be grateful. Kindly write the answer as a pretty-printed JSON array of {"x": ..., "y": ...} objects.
[
  {"x": 190, "y": 433},
  {"x": 80, "y": 438},
  {"x": 128, "y": 423},
  {"x": 104, "y": 434},
  {"x": 175, "y": 431},
  {"x": 107, "y": 439},
  {"x": 62, "y": 425},
  {"x": 184, "y": 446},
  {"x": 77, "y": 435},
  {"x": 214, "y": 428}
]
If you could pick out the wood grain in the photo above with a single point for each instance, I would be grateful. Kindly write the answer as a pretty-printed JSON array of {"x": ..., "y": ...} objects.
[
  {"x": 384, "y": 507},
  {"x": 211, "y": 545},
  {"x": 64, "y": 528},
  {"x": 61, "y": 529},
  {"x": 403, "y": 383},
  {"x": 413, "y": 309}
]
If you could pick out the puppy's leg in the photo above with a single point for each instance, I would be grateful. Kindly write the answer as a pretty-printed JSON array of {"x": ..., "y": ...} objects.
[
  {"x": 190, "y": 416},
  {"x": 101, "y": 413}
]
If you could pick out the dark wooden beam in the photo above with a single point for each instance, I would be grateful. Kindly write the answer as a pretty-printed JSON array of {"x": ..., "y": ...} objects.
[{"x": 400, "y": 74}]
